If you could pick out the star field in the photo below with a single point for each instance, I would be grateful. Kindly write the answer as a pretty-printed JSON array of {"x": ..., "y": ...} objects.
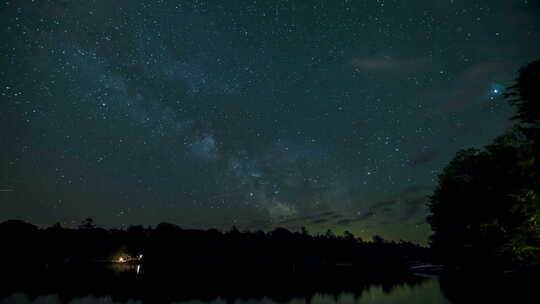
[{"x": 258, "y": 114}]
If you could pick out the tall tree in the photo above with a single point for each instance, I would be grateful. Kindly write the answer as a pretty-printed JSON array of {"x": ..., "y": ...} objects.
[
  {"x": 525, "y": 95},
  {"x": 485, "y": 209}
]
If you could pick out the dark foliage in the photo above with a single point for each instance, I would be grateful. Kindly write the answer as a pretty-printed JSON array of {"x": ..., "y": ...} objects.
[
  {"x": 485, "y": 208},
  {"x": 485, "y": 212},
  {"x": 181, "y": 264},
  {"x": 167, "y": 248},
  {"x": 525, "y": 95}
]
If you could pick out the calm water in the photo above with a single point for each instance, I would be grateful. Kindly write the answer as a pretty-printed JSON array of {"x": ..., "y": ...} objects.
[
  {"x": 427, "y": 292},
  {"x": 456, "y": 289}
]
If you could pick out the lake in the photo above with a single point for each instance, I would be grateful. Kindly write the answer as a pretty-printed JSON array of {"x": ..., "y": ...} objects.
[
  {"x": 428, "y": 291},
  {"x": 418, "y": 289}
]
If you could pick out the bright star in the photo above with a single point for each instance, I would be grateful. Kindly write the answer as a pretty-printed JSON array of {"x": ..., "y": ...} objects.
[{"x": 494, "y": 90}]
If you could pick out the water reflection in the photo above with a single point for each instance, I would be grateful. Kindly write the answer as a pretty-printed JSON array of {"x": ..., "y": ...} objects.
[
  {"x": 128, "y": 283},
  {"x": 426, "y": 292}
]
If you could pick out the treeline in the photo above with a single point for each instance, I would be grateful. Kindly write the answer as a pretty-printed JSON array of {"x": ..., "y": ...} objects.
[
  {"x": 167, "y": 249},
  {"x": 485, "y": 211}
]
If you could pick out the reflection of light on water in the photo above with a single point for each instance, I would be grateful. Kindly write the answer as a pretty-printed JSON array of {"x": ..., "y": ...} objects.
[{"x": 138, "y": 269}]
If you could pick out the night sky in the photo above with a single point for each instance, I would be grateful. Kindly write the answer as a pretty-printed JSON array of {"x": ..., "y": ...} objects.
[{"x": 258, "y": 114}]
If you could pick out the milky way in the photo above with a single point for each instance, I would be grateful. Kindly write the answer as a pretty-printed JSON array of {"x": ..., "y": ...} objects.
[{"x": 325, "y": 114}]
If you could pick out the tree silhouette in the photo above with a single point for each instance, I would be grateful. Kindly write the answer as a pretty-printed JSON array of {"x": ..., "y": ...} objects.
[
  {"x": 87, "y": 224},
  {"x": 377, "y": 239},
  {"x": 330, "y": 234},
  {"x": 525, "y": 95},
  {"x": 485, "y": 211},
  {"x": 347, "y": 235},
  {"x": 304, "y": 231},
  {"x": 168, "y": 250}
]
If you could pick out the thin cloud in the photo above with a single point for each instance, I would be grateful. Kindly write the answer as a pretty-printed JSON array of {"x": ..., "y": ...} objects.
[
  {"x": 413, "y": 189},
  {"x": 387, "y": 64},
  {"x": 383, "y": 204},
  {"x": 468, "y": 88},
  {"x": 319, "y": 221},
  {"x": 414, "y": 206},
  {"x": 423, "y": 157}
]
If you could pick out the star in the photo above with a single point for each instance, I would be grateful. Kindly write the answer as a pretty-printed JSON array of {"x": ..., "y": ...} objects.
[{"x": 284, "y": 106}]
